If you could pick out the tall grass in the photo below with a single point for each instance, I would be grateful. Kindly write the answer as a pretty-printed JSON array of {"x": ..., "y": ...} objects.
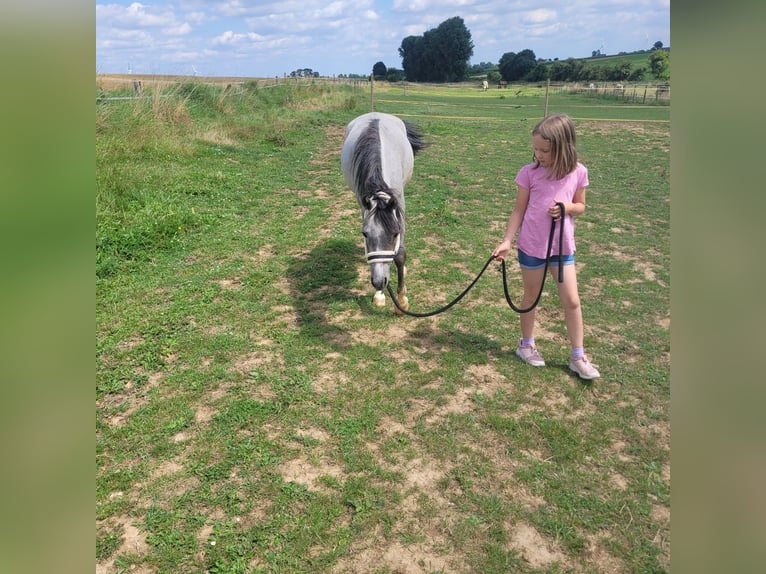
[{"x": 141, "y": 199}]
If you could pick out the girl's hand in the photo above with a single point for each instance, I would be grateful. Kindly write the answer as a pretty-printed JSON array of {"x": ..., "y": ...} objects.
[
  {"x": 502, "y": 250},
  {"x": 554, "y": 211}
]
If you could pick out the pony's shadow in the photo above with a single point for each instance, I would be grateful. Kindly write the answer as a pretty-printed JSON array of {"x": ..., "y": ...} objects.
[
  {"x": 328, "y": 275},
  {"x": 318, "y": 280}
]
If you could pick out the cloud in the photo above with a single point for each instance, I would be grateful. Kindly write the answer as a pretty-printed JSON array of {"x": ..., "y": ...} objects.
[
  {"x": 135, "y": 15},
  {"x": 180, "y": 30},
  {"x": 126, "y": 39},
  {"x": 228, "y": 38},
  {"x": 430, "y": 5},
  {"x": 538, "y": 16}
]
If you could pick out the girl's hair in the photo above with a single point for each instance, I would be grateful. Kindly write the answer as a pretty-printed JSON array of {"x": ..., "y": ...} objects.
[{"x": 558, "y": 129}]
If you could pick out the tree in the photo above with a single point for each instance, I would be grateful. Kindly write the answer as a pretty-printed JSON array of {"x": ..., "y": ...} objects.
[
  {"x": 523, "y": 63},
  {"x": 621, "y": 71},
  {"x": 440, "y": 55},
  {"x": 394, "y": 75},
  {"x": 504, "y": 66},
  {"x": 659, "y": 64},
  {"x": 567, "y": 70},
  {"x": 379, "y": 71},
  {"x": 412, "y": 51},
  {"x": 657, "y": 45},
  {"x": 515, "y": 67},
  {"x": 540, "y": 72}
]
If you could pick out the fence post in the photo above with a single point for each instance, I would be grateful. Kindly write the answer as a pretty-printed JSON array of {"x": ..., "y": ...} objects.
[
  {"x": 547, "y": 87},
  {"x": 372, "y": 83}
]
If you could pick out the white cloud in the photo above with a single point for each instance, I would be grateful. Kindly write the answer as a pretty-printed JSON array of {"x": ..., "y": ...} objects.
[
  {"x": 134, "y": 15},
  {"x": 228, "y": 38},
  {"x": 196, "y": 17},
  {"x": 538, "y": 16},
  {"x": 180, "y": 30}
]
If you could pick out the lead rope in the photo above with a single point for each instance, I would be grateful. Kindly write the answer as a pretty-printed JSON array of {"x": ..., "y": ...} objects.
[{"x": 505, "y": 281}]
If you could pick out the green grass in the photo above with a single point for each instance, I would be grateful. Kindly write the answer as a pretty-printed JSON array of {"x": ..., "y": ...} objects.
[
  {"x": 636, "y": 60},
  {"x": 256, "y": 413}
]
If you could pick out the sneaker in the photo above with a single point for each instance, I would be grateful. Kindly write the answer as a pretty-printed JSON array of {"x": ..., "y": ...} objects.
[
  {"x": 584, "y": 368},
  {"x": 529, "y": 355}
]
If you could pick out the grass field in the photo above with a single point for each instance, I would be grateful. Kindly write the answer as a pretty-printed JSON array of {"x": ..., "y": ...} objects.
[{"x": 256, "y": 413}]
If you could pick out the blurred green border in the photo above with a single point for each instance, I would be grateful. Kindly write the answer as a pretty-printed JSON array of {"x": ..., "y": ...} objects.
[
  {"x": 719, "y": 462},
  {"x": 47, "y": 170}
]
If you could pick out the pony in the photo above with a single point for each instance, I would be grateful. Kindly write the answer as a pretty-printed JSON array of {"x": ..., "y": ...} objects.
[{"x": 377, "y": 160}]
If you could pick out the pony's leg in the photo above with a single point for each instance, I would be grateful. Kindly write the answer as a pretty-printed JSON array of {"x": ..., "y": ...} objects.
[
  {"x": 401, "y": 287},
  {"x": 379, "y": 299}
]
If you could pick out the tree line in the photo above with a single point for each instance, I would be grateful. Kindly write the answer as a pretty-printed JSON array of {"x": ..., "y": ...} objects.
[{"x": 442, "y": 55}]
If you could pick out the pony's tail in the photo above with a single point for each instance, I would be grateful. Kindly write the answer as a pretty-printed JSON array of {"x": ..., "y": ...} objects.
[{"x": 416, "y": 138}]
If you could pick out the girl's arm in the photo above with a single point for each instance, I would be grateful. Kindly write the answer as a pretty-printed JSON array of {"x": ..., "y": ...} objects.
[{"x": 514, "y": 223}]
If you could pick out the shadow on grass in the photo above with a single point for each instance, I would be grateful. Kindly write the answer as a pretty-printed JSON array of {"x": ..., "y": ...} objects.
[
  {"x": 327, "y": 278},
  {"x": 320, "y": 279}
]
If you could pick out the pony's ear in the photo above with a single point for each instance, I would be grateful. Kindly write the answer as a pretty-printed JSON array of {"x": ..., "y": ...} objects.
[
  {"x": 367, "y": 202},
  {"x": 386, "y": 199}
]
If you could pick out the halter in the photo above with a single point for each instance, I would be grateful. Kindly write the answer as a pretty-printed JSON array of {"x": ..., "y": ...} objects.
[{"x": 384, "y": 256}]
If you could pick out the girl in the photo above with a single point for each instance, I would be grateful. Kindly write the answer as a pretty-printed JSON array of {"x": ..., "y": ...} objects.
[{"x": 555, "y": 175}]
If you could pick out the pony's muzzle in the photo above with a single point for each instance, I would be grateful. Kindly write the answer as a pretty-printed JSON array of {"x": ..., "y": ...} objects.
[{"x": 379, "y": 275}]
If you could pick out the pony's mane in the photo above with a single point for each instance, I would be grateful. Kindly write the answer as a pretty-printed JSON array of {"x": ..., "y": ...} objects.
[{"x": 375, "y": 194}]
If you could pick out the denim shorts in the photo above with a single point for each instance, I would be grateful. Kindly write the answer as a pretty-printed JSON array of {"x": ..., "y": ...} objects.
[{"x": 529, "y": 262}]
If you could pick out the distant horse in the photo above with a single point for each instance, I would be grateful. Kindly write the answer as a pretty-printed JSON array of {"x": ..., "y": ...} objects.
[
  {"x": 377, "y": 160},
  {"x": 485, "y": 85}
]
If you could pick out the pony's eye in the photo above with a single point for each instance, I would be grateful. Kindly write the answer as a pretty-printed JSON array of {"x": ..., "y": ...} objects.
[{"x": 364, "y": 233}]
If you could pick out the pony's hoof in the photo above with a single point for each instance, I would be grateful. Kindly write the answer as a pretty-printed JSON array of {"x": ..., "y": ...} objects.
[
  {"x": 379, "y": 299},
  {"x": 404, "y": 303}
]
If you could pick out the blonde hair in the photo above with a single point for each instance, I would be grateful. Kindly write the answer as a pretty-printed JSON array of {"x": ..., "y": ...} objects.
[{"x": 558, "y": 129}]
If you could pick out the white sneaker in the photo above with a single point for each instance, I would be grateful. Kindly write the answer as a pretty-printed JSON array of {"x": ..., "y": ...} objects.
[
  {"x": 584, "y": 368},
  {"x": 529, "y": 355}
]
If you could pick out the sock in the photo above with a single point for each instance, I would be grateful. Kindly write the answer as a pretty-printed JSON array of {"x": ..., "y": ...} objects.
[
  {"x": 527, "y": 342},
  {"x": 578, "y": 352}
]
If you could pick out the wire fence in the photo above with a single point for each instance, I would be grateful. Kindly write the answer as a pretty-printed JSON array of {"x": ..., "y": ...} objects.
[
  {"x": 642, "y": 93},
  {"x": 107, "y": 85}
]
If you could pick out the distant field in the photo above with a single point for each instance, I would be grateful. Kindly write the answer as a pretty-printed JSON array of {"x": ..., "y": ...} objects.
[
  {"x": 636, "y": 60},
  {"x": 113, "y": 82}
]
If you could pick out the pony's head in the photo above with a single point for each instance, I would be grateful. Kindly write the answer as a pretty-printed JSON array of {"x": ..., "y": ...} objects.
[{"x": 382, "y": 227}]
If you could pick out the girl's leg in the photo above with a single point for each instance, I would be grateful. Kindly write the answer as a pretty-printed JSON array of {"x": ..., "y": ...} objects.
[
  {"x": 570, "y": 301},
  {"x": 531, "y": 279}
]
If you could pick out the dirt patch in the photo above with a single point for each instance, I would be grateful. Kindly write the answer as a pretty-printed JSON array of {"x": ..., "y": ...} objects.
[
  {"x": 129, "y": 401},
  {"x": 308, "y": 473},
  {"x": 133, "y": 542},
  {"x": 599, "y": 558},
  {"x": 418, "y": 558},
  {"x": 534, "y": 547}
]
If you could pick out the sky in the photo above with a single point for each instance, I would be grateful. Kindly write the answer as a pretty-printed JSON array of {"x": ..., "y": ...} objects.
[{"x": 261, "y": 38}]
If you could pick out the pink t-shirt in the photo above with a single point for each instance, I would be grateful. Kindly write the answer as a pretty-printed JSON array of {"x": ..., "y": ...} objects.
[{"x": 543, "y": 193}]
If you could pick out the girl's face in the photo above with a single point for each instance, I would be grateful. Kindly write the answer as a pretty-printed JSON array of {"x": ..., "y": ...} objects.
[{"x": 542, "y": 149}]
